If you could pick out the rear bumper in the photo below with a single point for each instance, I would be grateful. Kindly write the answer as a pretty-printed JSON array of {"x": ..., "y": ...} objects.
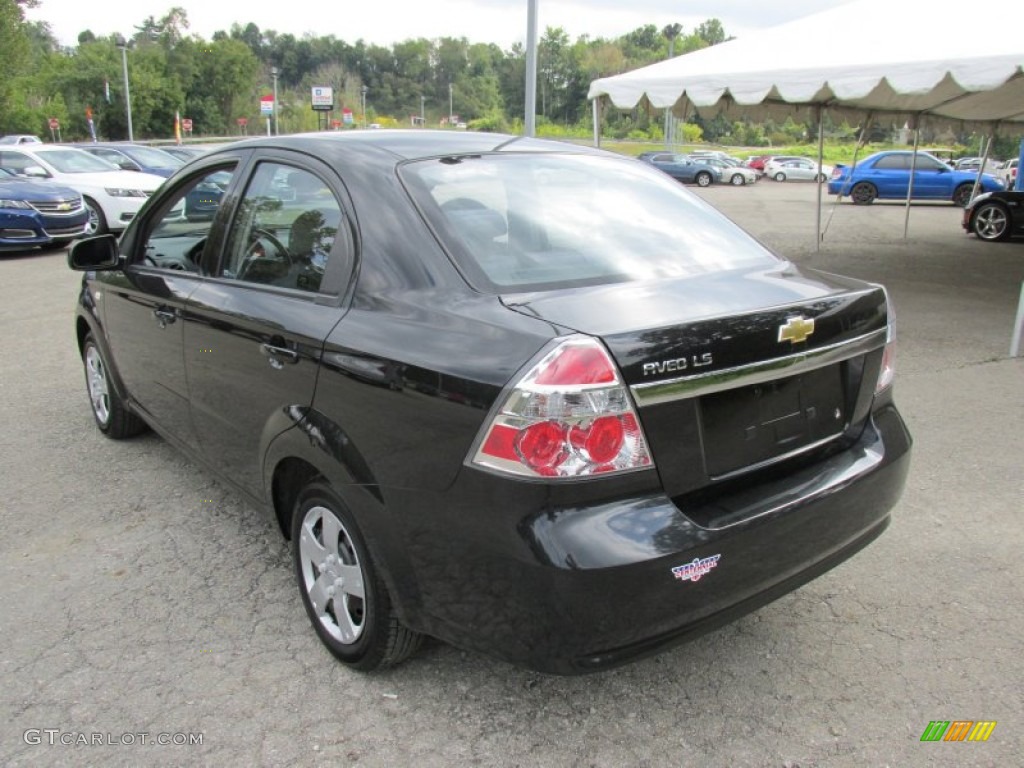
[{"x": 572, "y": 587}]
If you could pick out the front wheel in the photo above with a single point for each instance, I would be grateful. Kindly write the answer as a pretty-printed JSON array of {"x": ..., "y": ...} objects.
[
  {"x": 737, "y": 180},
  {"x": 780, "y": 176},
  {"x": 863, "y": 193},
  {"x": 345, "y": 598},
  {"x": 962, "y": 195},
  {"x": 97, "y": 224},
  {"x": 703, "y": 179},
  {"x": 112, "y": 416},
  {"x": 991, "y": 222}
]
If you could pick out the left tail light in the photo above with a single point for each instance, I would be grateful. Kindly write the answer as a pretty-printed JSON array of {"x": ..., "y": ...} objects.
[
  {"x": 887, "y": 373},
  {"x": 568, "y": 416}
]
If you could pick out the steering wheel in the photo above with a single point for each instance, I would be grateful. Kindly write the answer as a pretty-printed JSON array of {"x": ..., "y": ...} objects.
[{"x": 259, "y": 252}]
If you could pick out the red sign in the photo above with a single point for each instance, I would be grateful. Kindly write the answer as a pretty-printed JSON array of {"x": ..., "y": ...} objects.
[
  {"x": 186, "y": 124},
  {"x": 54, "y": 123},
  {"x": 335, "y": 123},
  {"x": 242, "y": 122}
]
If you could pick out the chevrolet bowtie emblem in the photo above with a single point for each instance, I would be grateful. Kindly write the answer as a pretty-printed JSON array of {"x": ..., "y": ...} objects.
[{"x": 796, "y": 329}]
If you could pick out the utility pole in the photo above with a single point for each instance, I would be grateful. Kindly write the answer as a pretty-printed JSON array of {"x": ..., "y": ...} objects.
[
  {"x": 530, "y": 121},
  {"x": 123, "y": 45}
]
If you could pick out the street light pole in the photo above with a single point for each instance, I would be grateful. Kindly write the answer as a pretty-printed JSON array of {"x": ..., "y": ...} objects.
[
  {"x": 365, "y": 89},
  {"x": 423, "y": 112},
  {"x": 123, "y": 45},
  {"x": 451, "y": 104},
  {"x": 274, "y": 72}
]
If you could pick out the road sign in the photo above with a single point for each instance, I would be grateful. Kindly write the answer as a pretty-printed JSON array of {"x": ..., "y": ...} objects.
[
  {"x": 346, "y": 115},
  {"x": 186, "y": 124},
  {"x": 267, "y": 106},
  {"x": 54, "y": 123},
  {"x": 322, "y": 98},
  {"x": 242, "y": 122}
]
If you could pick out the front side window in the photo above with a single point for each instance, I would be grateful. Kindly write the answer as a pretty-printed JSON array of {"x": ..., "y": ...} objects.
[
  {"x": 543, "y": 221},
  {"x": 177, "y": 236},
  {"x": 285, "y": 229},
  {"x": 16, "y": 162}
]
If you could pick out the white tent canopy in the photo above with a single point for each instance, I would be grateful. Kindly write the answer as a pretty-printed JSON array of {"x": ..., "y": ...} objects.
[{"x": 933, "y": 59}]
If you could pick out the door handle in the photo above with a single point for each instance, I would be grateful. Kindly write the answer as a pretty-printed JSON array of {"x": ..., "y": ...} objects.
[
  {"x": 164, "y": 316},
  {"x": 279, "y": 355}
]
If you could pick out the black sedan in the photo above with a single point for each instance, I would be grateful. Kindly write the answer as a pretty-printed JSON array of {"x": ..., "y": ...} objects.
[
  {"x": 682, "y": 168},
  {"x": 995, "y": 216},
  {"x": 532, "y": 399}
]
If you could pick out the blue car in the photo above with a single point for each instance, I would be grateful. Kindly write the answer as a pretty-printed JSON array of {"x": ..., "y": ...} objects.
[
  {"x": 38, "y": 213},
  {"x": 886, "y": 176}
]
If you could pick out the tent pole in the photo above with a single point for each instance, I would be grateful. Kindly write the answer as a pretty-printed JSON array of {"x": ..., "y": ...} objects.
[
  {"x": 984, "y": 162},
  {"x": 853, "y": 166},
  {"x": 913, "y": 170},
  {"x": 821, "y": 156},
  {"x": 597, "y": 121}
]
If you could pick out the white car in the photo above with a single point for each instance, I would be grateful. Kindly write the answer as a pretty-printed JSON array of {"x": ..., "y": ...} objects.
[
  {"x": 111, "y": 195},
  {"x": 796, "y": 169},
  {"x": 1008, "y": 173}
]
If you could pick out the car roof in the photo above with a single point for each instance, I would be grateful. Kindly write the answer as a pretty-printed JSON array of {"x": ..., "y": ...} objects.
[{"x": 391, "y": 146}]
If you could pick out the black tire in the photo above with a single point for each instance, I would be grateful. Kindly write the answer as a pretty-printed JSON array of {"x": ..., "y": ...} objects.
[
  {"x": 991, "y": 222},
  {"x": 361, "y": 630},
  {"x": 737, "y": 180},
  {"x": 821, "y": 177},
  {"x": 780, "y": 176},
  {"x": 962, "y": 195},
  {"x": 97, "y": 224},
  {"x": 863, "y": 193},
  {"x": 113, "y": 418},
  {"x": 703, "y": 179}
]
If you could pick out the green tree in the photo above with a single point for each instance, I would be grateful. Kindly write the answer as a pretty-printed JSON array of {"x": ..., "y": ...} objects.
[{"x": 14, "y": 61}]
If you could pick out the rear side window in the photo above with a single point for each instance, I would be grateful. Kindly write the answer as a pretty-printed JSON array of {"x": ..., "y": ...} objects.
[
  {"x": 546, "y": 221},
  {"x": 284, "y": 230}
]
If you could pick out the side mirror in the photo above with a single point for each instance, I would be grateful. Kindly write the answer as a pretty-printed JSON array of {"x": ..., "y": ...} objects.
[
  {"x": 95, "y": 253},
  {"x": 129, "y": 165},
  {"x": 35, "y": 171}
]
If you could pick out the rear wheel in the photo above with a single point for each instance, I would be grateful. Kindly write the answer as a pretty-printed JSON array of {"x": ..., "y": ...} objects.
[
  {"x": 703, "y": 179},
  {"x": 345, "y": 597},
  {"x": 780, "y": 176},
  {"x": 112, "y": 416},
  {"x": 737, "y": 180},
  {"x": 821, "y": 177},
  {"x": 863, "y": 193},
  {"x": 991, "y": 222},
  {"x": 962, "y": 195}
]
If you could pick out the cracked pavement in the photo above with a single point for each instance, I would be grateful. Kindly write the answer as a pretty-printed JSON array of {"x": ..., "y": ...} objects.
[{"x": 139, "y": 595}]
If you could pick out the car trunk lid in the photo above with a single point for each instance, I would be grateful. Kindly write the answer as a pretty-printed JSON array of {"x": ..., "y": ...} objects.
[{"x": 733, "y": 372}]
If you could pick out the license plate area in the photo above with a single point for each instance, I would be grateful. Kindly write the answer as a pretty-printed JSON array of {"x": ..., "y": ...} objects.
[{"x": 745, "y": 427}]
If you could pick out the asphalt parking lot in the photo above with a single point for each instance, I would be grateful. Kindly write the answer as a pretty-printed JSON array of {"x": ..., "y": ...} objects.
[{"x": 140, "y": 596}]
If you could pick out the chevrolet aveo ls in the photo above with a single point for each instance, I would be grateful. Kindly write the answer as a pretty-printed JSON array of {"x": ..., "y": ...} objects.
[{"x": 531, "y": 399}]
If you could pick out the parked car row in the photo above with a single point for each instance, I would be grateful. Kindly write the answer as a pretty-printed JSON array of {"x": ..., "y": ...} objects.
[{"x": 52, "y": 193}]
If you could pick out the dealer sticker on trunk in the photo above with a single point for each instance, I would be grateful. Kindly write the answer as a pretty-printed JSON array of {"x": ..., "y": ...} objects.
[{"x": 693, "y": 571}]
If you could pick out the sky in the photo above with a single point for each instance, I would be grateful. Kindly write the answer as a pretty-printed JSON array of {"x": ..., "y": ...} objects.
[{"x": 384, "y": 22}]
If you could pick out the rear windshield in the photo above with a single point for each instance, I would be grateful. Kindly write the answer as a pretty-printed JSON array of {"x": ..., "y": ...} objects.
[{"x": 547, "y": 221}]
